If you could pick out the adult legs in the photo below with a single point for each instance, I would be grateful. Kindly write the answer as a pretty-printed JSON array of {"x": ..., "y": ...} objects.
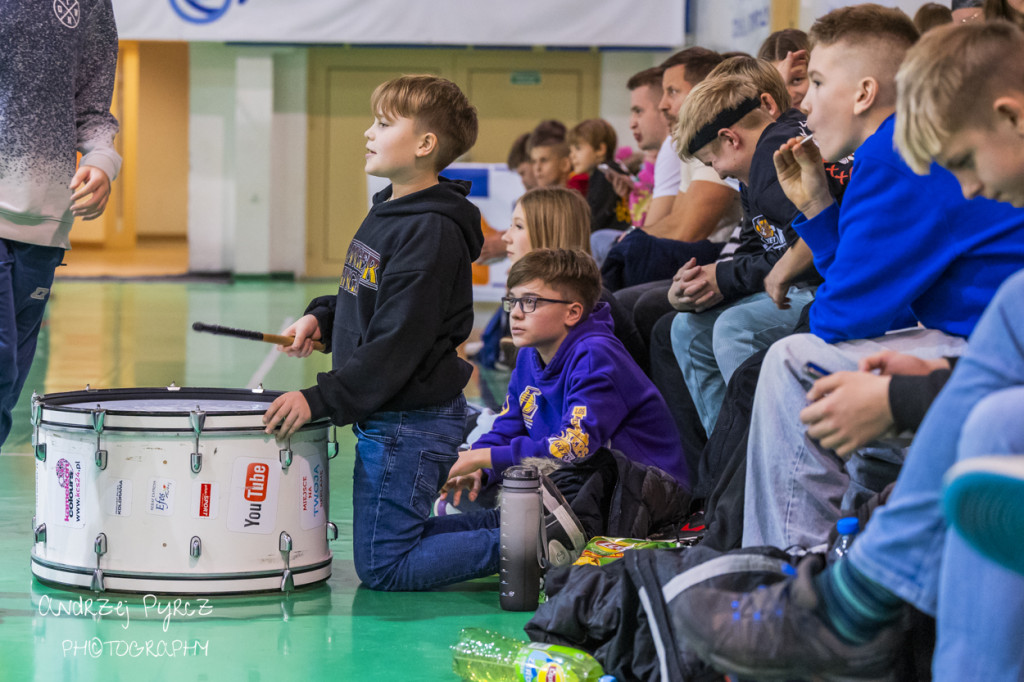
[{"x": 669, "y": 381}]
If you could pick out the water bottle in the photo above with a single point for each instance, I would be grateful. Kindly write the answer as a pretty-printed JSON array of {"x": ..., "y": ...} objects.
[
  {"x": 485, "y": 656},
  {"x": 521, "y": 544},
  {"x": 848, "y": 528}
]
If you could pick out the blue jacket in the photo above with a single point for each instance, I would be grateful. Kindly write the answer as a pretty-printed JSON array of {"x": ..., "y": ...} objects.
[
  {"x": 591, "y": 394},
  {"x": 905, "y": 248}
]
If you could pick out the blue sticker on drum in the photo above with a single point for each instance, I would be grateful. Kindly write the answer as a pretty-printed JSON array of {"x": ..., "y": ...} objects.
[
  {"x": 161, "y": 496},
  {"x": 69, "y": 489},
  {"x": 205, "y": 499},
  {"x": 313, "y": 491},
  {"x": 252, "y": 505},
  {"x": 117, "y": 500}
]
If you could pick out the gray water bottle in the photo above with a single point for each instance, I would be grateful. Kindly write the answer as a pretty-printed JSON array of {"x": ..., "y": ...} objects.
[{"x": 521, "y": 544}]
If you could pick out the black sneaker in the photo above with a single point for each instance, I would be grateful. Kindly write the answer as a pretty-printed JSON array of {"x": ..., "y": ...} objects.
[
  {"x": 692, "y": 532},
  {"x": 566, "y": 538},
  {"x": 775, "y": 632}
]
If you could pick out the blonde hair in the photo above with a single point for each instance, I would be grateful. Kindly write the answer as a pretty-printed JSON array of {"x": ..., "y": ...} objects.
[
  {"x": 437, "y": 105},
  {"x": 761, "y": 73},
  {"x": 949, "y": 80},
  {"x": 707, "y": 101},
  {"x": 557, "y": 218}
]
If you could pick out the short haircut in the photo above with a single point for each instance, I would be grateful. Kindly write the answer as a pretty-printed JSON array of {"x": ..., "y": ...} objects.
[
  {"x": 557, "y": 218},
  {"x": 761, "y": 73},
  {"x": 858, "y": 23},
  {"x": 949, "y": 80},
  {"x": 595, "y": 132},
  {"x": 776, "y": 46},
  {"x": 437, "y": 105},
  {"x": 698, "y": 62},
  {"x": 707, "y": 102},
  {"x": 574, "y": 274},
  {"x": 549, "y": 133},
  {"x": 650, "y": 77},
  {"x": 517, "y": 154},
  {"x": 932, "y": 14}
]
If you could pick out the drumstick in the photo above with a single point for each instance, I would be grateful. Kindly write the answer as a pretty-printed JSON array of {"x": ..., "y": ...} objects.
[{"x": 251, "y": 335}]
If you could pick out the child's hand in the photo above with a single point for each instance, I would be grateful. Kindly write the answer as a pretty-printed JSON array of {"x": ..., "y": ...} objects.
[
  {"x": 699, "y": 288},
  {"x": 470, "y": 461},
  {"x": 305, "y": 330},
  {"x": 802, "y": 176},
  {"x": 287, "y": 414},
  {"x": 472, "y": 482},
  {"x": 92, "y": 185}
]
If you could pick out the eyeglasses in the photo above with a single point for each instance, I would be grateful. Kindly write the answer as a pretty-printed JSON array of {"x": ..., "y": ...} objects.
[{"x": 526, "y": 303}]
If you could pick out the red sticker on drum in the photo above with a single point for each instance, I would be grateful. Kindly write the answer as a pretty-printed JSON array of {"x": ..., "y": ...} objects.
[
  {"x": 252, "y": 504},
  {"x": 205, "y": 498}
]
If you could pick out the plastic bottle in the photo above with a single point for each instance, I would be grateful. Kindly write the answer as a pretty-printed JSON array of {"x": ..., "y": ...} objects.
[
  {"x": 521, "y": 550},
  {"x": 848, "y": 528},
  {"x": 485, "y": 656}
]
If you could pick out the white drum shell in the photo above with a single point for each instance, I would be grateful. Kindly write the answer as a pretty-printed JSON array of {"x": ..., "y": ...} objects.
[{"x": 149, "y": 504}]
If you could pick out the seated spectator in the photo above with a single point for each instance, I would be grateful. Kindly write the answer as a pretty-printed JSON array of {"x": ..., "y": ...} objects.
[
  {"x": 787, "y": 50},
  {"x": 932, "y": 14},
  {"x": 592, "y": 149},
  {"x": 549, "y": 154},
  {"x": 961, "y": 251},
  {"x": 1010, "y": 10},
  {"x": 959, "y": 97},
  {"x": 575, "y": 389}
]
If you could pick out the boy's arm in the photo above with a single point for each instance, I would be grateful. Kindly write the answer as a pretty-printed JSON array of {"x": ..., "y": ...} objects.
[
  {"x": 403, "y": 331},
  {"x": 793, "y": 265},
  {"x": 893, "y": 225},
  {"x": 322, "y": 308}
]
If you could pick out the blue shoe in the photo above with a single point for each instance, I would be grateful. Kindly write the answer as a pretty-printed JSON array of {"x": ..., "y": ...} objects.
[
  {"x": 775, "y": 632},
  {"x": 984, "y": 501}
]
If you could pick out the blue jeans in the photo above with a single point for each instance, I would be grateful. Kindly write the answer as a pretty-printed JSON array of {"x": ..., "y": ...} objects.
[
  {"x": 402, "y": 460},
  {"x": 26, "y": 275},
  {"x": 795, "y": 488},
  {"x": 709, "y": 346},
  {"x": 907, "y": 547}
]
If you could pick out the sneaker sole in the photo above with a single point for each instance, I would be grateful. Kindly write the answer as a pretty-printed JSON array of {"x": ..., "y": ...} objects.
[{"x": 984, "y": 501}]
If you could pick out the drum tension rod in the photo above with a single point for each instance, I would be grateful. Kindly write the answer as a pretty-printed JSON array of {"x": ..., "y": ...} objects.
[
  {"x": 37, "y": 418},
  {"x": 332, "y": 442},
  {"x": 100, "y": 547},
  {"x": 38, "y": 532},
  {"x": 198, "y": 419},
  {"x": 332, "y": 531},
  {"x": 195, "y": 547},
  {"x": 285, "y": 545},
  {"x": 286, "y": 455},
  {"x": 98, "y": 416}
]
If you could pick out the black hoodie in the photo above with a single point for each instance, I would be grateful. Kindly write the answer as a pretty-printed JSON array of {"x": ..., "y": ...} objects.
[{"x": 405, "y": 302}]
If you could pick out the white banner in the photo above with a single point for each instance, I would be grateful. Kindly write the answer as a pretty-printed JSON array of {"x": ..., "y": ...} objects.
[{"x": 652, "y": 23}]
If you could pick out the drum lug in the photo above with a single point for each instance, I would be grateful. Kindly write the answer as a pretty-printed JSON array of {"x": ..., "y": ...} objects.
[
  {"x": 100, "y": 547},
  {"x": 196, "y": 547},
  {"x": 198, "y": 419},
  {"x": 286, "y": 457},
  {"x": 37, "y": 418},
  {"x": 99, "y": 415},
  {"x": 258, "y": 389},
  {"x": 40, "y": 533},
  {"x": 173, "y": 387},
  {"x": 332, "y": 531},
  {"x": 332, "y": 443},
  {"x": 285, "y": 545}
]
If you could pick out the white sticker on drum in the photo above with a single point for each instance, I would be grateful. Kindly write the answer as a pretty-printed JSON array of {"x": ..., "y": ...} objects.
[
  {"x": 117, "y": 501},
  {"x": 252, "y": 506},
  {"x": 69, "y": 492},
  {"x": 313, "y": 489},
  {"x": 205, "y": 500},
  {"x": 161, "y": 496}
]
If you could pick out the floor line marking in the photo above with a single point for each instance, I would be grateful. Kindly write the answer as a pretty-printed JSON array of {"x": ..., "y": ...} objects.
[{"x": 268, "y": 362}]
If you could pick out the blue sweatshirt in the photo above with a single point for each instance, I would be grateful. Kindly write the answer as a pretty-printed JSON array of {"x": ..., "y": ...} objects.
[
  {"x": 905, "y": 244},
  {"x": 590, "y": 395}
]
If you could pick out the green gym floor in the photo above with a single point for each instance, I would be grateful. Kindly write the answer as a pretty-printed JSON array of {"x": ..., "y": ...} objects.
[{"x": 112, "y": 334}]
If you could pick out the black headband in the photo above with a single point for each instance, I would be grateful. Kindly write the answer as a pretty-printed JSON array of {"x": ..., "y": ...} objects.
[{"x": 725, "y": 118}]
